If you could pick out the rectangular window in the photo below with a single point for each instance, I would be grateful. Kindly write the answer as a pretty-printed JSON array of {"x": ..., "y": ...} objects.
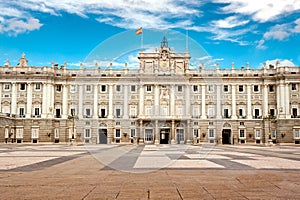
[
  {"x": 103, "y": 88},
  {"x": 242, "y": 123},
  {"x": 35, "y": 133},
  {"x": 72, "y": 112},
  {"x": 57, "y": 113},
  {"x": 19, "y": 133},
  {"x": 294, "y": 112},
  {"x": 118, "y": 133},
  {"x": 225, "y": 89},
  {"x": 118, "y": 88},
  {"x": 256, "y": 88},
  {"x": 37, "y": 86},
  {"x": 273, "y": 134},
  {"x": 257, "y": 134},
  {"x": 210, "y": 88},
  {"x": 87, "y": 133},
  {"x": 88, "y": 88},
  {"x": 195, "y": 88},
  {"x": 148, "y": 88},
  {"x": 272, "y": 112},
  {"x": 133, "y": 88},
  {"x": 149, "y": 110},
  {"x": 241, "y": 88},
  {"x": 22, "y": 112},
  {"x": 297, "y": 134},
  {"x": 241, "y": 114},
  {"x": 36, "y": 111},
  {"x": 102, "y": 113},
  {"x": 88, "y": 112},
  {"x": 210, "y": 123},
  {"x": 73, "y": 88},
  {"x": 210, "y": 112},
  {"x": 148, "y": 135},
  {"x": 211, "y": 133},
  {"x": 118, "y": 112},
  {"x": 58, "y": 88},
  {"x": 132, "y": 133},
  {"x": 7, "y": 87},
  {"x": 132, "y": 123},
  {"x": 226, "y": 113},
  {"x": 256, "y": 113},
  {"x": 56, "y": 133},
  {"x": 294, "y": 86},
  {"x": 196, "y": 134},
  {"x": 271, "y": 88},
  {"x": 179, "y": 88},
  {"x": 22, "y": 86},
  {"x": 242, "y": 133}
]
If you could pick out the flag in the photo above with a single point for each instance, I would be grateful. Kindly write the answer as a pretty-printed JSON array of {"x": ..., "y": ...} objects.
[{"x": 139, "y": 31}]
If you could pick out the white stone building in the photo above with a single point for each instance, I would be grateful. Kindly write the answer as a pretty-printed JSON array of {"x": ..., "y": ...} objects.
[{"x": 162, "y": 102}]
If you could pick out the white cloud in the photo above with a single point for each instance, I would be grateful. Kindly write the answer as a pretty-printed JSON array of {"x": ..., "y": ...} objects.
[
  {"x": 229, "y": 22},
  {"x": 261, "y": 11},
  {"x": 157, "y": 14},
  {"x": 14, "y": 26},
  {"x": 260, "y": 44},
  {"x": 278, "y": 32},
  {"x": 282, "y": 62}
]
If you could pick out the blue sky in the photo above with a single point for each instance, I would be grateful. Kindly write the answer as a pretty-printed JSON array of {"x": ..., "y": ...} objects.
[{"x": 227, "y": 31}]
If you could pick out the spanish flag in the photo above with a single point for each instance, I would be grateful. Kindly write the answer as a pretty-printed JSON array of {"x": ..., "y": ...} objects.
[{"x": 139, "y": 31}]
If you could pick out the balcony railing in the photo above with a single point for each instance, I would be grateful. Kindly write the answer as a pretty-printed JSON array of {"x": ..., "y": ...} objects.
[
  {"x": 257, "y": 117},
  {"x": 102, "y": 116},
  {"x": 295, "y": 116}
]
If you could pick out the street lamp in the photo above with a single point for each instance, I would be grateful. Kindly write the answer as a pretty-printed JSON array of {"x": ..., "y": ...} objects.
[
  {"x": 73, "y": 117},
  {"x": 269, "y": 117}
]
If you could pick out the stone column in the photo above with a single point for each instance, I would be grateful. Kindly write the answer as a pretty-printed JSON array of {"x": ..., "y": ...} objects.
[
  {"x": 50, "y": 106},
  {"x": 110, "y": 101},
  {"x": 282, "y": 98},
  {"x": 172, "y": 101},
  {"x": 265, "y": 96},
  {"x": 203, "y": 104},
  {"x": 141, "y": 101},
  {"x": 141, "y": 136},
  {"x": 64, "y": 102},
  {"x": 44, "y": 103},
  {"x": 219, "y": 113},
  {"x": 173, "y": 140},
  {"x": 249, "y": 111},
  {"x": 156, "y": 101},
  {"x": 80, "y": 101},
  {"x": 95, "y": 110},
  {"x": 187, "y": 101},
  {"x": 156, "y": 133},
  {"x": 188, "y": 132},
  {"x": 278, "y": 100},
  {"x": 13, "y": 109},
  {"x": 287, "y": 100},
  {"x": 125, "y": 107},
  {"x": 29, "y": 101},
  {"x": 233, "y": 102}
]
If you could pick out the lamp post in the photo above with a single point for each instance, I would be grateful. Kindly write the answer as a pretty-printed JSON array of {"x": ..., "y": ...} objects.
[
  {"x": 73, "y": 117},
  {"x": 268, "y": 138}
]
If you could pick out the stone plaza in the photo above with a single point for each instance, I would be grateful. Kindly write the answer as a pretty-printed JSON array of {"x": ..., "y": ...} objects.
[{"x": 48, "y": 171}]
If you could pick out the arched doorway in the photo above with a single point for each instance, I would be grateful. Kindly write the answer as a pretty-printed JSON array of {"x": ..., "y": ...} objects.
[{"x": 226, "y": 134}]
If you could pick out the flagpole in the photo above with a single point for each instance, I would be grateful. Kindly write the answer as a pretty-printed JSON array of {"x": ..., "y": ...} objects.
[{"x": 142, "y": 41}]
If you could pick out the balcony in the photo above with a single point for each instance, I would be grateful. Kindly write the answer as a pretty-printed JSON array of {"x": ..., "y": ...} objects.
[
  {"x": 257, "y": 117},
  {"x": 295, "y": 116},
  {"x": 133, "y": 116},
  {"x": 226, "y": 117},
  {"x": 102, "y": 116},
  {"x": 57, "y": 116},
  {"x": 36, "y": 116},
  {"x": 196, "y": 116},
  {"x": 87, "y": 116},
  {"x": 241, "y": 117}
]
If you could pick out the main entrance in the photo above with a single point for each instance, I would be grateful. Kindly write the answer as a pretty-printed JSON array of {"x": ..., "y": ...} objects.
[
  {"x": 164, "y": 136},
  {"x": 102, "y": 136},
  {"x": 226, "y": 136}
]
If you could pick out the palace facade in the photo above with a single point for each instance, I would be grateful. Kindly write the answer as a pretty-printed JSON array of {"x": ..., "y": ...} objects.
[{"x": 163, "y": 102}]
